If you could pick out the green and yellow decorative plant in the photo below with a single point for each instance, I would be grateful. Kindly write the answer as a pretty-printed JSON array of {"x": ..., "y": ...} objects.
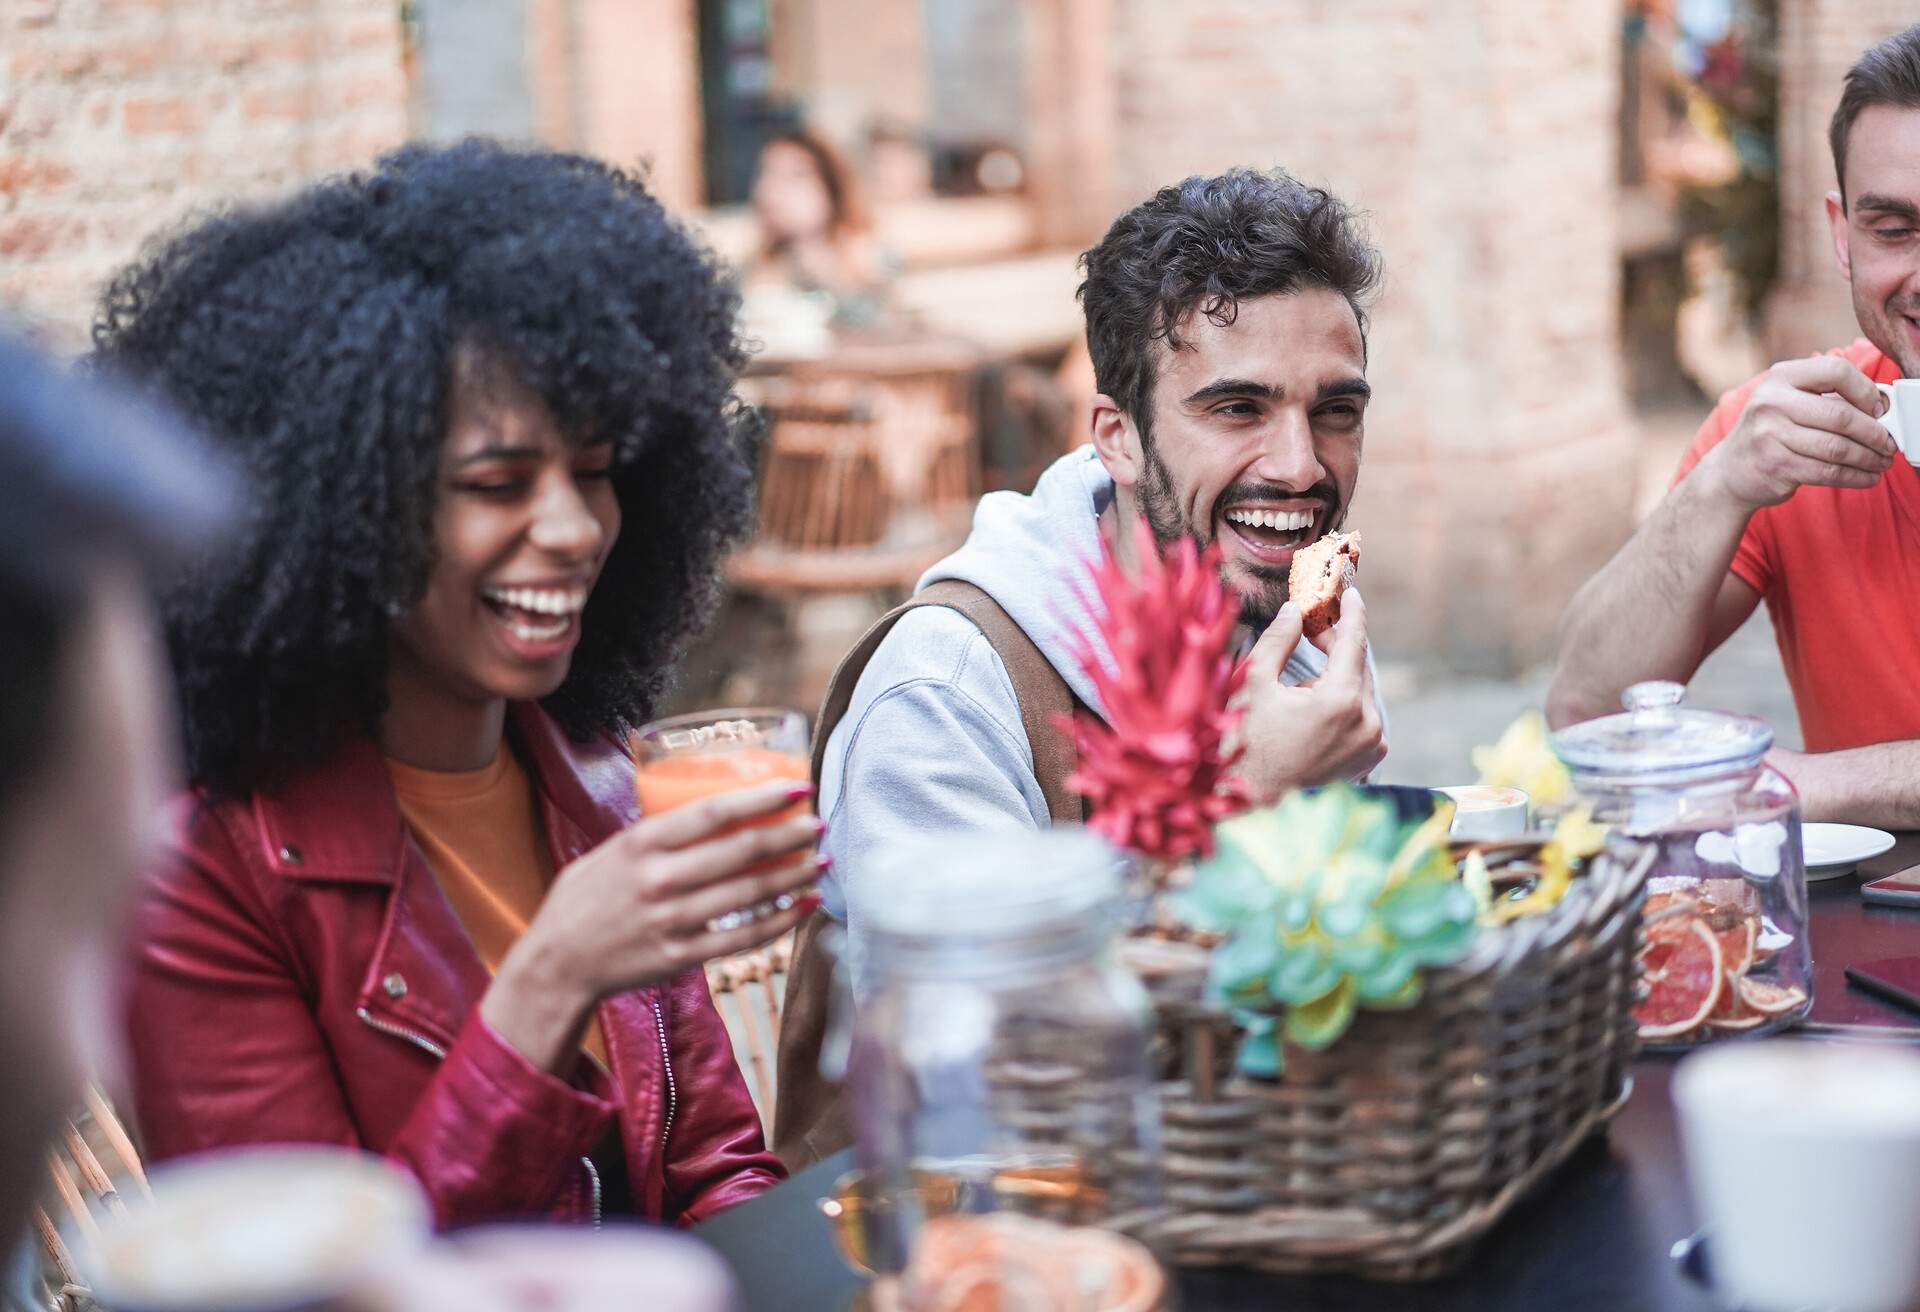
[
  {"x": 1522, "y": 759},
  {"x": 1330, "y": 903},
  {"x": 1575, "y": 839}
]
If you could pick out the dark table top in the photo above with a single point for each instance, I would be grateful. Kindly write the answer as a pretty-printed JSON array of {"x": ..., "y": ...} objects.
[{"x": 1597, "y": 1236}]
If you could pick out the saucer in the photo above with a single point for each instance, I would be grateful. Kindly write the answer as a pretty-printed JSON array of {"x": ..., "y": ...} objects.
[{"x": 1834, "y": 850}]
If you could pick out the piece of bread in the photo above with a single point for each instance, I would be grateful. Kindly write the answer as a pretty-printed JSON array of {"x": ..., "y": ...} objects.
[{"x": 1321, "y": 571}]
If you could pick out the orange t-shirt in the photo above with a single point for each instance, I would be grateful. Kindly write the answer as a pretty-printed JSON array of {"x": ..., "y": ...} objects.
[
  {"x": 1839, "y": 569},
  {"x": 480, "y": 832}
]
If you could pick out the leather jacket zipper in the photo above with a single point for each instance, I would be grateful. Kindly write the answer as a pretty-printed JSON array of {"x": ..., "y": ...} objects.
[
  {"x": 666, "y": 1062},
  {"x": 593, "y": 1175},
  {"x": 417, "y": 1040}
]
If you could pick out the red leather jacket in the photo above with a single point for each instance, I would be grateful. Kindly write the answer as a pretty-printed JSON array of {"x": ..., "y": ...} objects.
[{"x": 299, "y": 977}]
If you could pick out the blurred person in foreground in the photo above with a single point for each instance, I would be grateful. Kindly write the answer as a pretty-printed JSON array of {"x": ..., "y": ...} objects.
[
  {"x": 486, "y": 397},
  {"x": 1793, "y": 493},
  {"x": 1226, "y": 318},
  {"x": 96, "y": 495},
  {"x": 816, "y": 235}
]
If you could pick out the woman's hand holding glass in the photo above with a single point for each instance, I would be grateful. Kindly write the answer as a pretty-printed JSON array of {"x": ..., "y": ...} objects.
[{"x": 655, "y": 900}]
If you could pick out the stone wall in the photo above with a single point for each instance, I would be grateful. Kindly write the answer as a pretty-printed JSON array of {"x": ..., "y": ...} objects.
[
  {"x": 1481, "y": 136},
  {"x": 118, "y": 116},
  {"x": 1819, "y": 42}
]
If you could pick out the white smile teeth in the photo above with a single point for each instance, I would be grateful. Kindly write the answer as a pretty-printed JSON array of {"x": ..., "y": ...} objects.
[
  {"x": 1279, "y": 521},
  {"x": 540, "y": 632},
  {"x": 537, "y": 614},
  {"x": 564, "y": 602}
]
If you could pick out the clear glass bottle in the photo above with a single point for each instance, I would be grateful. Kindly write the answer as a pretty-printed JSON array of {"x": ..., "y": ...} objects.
[
  {"x": 1725, "y": 950},
  {"x": 999, "y": 1048}
]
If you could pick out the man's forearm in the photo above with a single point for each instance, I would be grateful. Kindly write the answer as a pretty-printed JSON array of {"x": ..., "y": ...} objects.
[
  {"x": 1877, "y": 785},
  {"x": 1648, "y": 613}
]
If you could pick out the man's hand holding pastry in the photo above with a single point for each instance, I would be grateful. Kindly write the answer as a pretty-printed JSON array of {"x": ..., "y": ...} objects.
[{"x": 1317, "y": 732}]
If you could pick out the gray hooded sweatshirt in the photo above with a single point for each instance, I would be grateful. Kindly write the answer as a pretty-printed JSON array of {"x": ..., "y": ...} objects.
[{"x": 932, "y": 739}]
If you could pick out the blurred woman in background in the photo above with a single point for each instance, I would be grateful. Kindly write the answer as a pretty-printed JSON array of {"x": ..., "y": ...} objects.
[
  {"x": 486, "y": 398},
  {"x": 816, "y": 235}
]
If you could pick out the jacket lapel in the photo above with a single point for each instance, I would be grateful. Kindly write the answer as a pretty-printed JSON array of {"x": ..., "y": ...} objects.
[
  {"x": 341, "y": 824},
  {"x": 301, "y": 826},
  {"x": 590, "y": 783}
]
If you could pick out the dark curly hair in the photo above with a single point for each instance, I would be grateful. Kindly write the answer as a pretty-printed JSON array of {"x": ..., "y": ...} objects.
[
  {"x": 318, "y": 339},
  {"x": 1204, "y": 245}
]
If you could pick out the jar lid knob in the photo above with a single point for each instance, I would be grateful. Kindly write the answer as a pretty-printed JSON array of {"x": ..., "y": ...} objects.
[{"x": 1653, "y": 694}]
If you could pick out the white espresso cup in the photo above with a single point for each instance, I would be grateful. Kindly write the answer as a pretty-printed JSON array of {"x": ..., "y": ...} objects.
[
  {"x": 1902, "y": 418},
  {"x": 1485, "y": 813},
  {"x": 1804, "y": 1159}
]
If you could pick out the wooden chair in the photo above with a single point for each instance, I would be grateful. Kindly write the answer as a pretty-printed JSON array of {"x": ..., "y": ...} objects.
[
  {"x": 90, "y": 1166},
  {"x": 748, "y": 989},
  {"x": 862, "y": 487},
  {"x": 822, "y": 486},
  {"x": 868, "y": 479}
]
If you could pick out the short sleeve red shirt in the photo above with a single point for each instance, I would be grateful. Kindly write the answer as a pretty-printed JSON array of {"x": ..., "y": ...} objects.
[{"x": 1839, "y": 570}]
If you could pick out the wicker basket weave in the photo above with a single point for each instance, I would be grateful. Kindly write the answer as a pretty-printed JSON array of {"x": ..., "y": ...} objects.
[{"x": 1389, "y": 1154}]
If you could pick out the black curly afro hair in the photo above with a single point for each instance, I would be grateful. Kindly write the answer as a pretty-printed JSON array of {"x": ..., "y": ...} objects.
[{"x": 318, "y": 338}]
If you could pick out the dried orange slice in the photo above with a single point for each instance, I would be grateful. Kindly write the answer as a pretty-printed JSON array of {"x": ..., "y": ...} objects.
[
  {"x": 1731, "y": 1014},
  {"x": 1769, "y": 999},
  {"x": 1684, "y": 972},
  {"x": 1736, "y": 943},
  {"x": 1666, "y": 906}
]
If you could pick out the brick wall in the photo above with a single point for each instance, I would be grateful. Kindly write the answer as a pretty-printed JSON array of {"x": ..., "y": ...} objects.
[
  {"x": 639, "y": 90},
  {"x": 856, "y": 61},
  {"x": 117, "y": 116},
  {"x": 1819, "y": 42},
  {"x": 1481, "y": 135}
]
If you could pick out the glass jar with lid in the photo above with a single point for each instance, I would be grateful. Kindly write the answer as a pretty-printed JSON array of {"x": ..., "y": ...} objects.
[
  {"x": 998, "y": 1060},
  {"x": 1725, "y": 950}
]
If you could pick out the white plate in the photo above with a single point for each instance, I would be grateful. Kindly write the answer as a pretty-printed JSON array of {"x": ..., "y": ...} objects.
[{"x": 1834, "y": 850}]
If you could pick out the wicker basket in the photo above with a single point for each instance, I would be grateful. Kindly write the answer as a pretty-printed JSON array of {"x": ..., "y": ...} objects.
[{"x": 1391, "y": 1153}]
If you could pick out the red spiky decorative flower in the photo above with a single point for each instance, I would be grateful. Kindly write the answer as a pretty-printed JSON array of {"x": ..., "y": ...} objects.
[{"x": 1156, "y": 771}]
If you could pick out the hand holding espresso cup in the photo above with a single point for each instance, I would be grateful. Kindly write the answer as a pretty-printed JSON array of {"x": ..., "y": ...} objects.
[{"x": 1810, "y": 423}]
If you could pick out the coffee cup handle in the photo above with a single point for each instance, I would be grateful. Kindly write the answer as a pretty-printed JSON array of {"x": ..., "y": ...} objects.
[{"x": 1887, "y": 420}]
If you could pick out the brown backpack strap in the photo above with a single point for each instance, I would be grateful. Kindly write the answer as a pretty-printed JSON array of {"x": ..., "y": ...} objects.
[
  {"x": 812, "y": 1118},
  {"x": 1037, "y": 686}
]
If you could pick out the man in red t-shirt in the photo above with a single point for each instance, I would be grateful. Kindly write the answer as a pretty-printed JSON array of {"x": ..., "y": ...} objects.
[{"x": 1794, "y": 492}]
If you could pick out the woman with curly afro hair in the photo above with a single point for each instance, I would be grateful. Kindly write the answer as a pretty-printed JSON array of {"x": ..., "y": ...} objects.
[{"x": 485, "y": 398}]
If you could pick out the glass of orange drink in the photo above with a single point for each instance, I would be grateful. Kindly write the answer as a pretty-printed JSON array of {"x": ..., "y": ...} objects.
[{"x": 687, "y": 757}]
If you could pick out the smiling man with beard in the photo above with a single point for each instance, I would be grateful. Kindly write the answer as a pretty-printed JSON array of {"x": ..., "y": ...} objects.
[
  {"x": 1226, "y": 321},
  {"x": 1793, "y": 493}
]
